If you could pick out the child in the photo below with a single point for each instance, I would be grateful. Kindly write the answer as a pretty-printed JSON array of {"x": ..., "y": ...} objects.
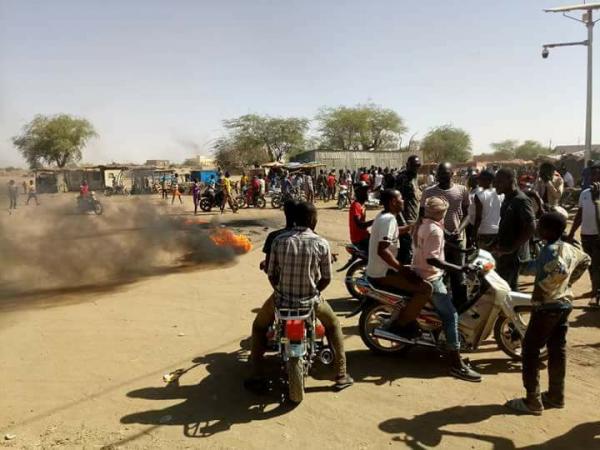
[
  {"x": 428, "y": 262},
  {"x": 557, "y": 267}
]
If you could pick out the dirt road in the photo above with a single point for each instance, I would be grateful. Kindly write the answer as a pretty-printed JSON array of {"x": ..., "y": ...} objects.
[{"x": 82, "y": 362}]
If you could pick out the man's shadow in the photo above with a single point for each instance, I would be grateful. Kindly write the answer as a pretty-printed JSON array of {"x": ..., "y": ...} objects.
[
  {"x": 214, "y": 404},
  {"x": 427, "y": 430}
]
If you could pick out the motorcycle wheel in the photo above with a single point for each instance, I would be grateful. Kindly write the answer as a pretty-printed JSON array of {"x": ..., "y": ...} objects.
[
  {"x": 295, "y": 372},
  {"x": 261, "y": 202},
  {"x": 205, "y": 205},
  {"x": 342, "y": 203},
  {"x": 276, "y": 202},
  {"x": 240, "y": 202},
  {"x": 372, "y": 317},
  {"x": 508, "y": 338},
  {"x": 98, "y": 208},
  {"x": 357, "y": 270},
  {"x": 107, "y": 192}
]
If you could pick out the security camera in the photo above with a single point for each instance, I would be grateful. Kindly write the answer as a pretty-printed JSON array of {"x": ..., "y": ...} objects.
[{"x": 545, "y": 52}]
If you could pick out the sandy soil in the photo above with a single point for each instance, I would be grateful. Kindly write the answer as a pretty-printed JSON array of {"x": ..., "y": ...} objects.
[{"x": 83, "y": 353}]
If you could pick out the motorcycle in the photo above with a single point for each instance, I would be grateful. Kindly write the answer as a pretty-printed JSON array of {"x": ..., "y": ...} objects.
[
  {"x": 210, "y": 199},
  {"x": 491, "y": 309},
  {"x": 298, "y": 338},
  {"x": 279, "y": 198},
  {"x": 356, "y": 266},
  {"x": 89, "y": 203},
  {"x": 247, "y": 199},
  {"x": 343, "y": 198},
  {"x": 116, "y": 190}
]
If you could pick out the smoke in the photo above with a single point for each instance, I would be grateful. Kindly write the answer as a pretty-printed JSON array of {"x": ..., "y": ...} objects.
[{"x": 52, "y": 247}]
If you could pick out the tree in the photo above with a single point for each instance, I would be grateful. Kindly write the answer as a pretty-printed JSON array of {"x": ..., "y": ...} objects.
[
  {"x": 279, "y": 136},
  {"x": 231, "y": 157},
  {"x": 55, "y": 140},
  {"x": 362, "y": 127},
  {"x": 530, "y": 150},
  {"x": 446, "y": 143},
  {"x": 505, "y": 150}
]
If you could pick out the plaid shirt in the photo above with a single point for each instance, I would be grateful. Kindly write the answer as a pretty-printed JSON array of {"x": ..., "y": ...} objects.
[{"x": 299, "y": 259}]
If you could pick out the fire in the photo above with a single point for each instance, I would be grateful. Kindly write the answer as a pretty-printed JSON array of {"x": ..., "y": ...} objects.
[{"x": 238, "y": 242}]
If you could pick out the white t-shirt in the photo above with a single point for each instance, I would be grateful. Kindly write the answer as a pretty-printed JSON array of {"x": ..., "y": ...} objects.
[
  {"x": 261, "y": 183},
  {"x": 384, "y": 229},
  {"x": 491, "y": 203},
  {"x": 588, "y": 213},
  {"x": 378, "y": 180}
]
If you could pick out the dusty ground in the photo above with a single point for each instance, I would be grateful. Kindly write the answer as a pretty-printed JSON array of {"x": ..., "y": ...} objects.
[{"x": 83, "y": 354}]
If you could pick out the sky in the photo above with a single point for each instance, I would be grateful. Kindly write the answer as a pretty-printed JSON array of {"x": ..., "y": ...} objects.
[{"x": 156, "y": 78}]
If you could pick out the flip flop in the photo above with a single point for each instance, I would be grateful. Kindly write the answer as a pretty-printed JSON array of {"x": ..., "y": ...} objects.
[
  {"x": 519, "y": 405},
  {"x": 549, "y": 404}
]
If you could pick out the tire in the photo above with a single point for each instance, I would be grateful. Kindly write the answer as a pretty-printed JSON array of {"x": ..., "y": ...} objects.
[
  {"x": 295, "y": 371},
  {"x": 508, "y": 339},
  {"x": 342, "y": 203},
  {"x": 98, "y": 208},
  {"x": 370, "y": 318},
  {"x": 356, "y": 270},
  {"x": 276, "y": 202},
  {"x": 205, "y": 204},
  {"x": 108, "y": 192},
  {"x": 240, "y": 202},
  {"x": 261, "y": 202}
]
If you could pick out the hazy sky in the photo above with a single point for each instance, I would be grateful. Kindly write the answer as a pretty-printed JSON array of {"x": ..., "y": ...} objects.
[{"x": 156, "y": 78}]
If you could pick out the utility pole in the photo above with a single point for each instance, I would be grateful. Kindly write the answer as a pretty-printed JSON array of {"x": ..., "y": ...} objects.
[{"x": 588, "y": 20}]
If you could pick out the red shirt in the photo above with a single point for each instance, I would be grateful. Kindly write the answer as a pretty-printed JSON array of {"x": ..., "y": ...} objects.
[
  {"x": 357, "y": 234},
  {"x": 331, "y": 181},
  {"x": 366, "y": 178}
]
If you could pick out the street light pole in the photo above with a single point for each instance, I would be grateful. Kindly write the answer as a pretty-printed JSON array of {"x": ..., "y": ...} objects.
[
  {"x": 589, "y": 22},
  {"x": 588, "y": 111}
]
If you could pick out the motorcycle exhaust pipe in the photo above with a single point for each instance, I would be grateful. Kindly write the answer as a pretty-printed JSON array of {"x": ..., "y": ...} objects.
[{"x": 395, "y": 338}]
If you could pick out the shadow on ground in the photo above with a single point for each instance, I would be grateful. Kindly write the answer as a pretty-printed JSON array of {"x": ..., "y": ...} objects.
[
  {"x": 428, "y": 430},
  {"x": 214, "y": 404}
]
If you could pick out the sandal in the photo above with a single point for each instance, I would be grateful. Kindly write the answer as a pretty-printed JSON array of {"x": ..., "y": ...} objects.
[
  {"x": 549, "y": 404},
  {"x": 519, "y": 405},
  {"x": 343, "y": 382}
]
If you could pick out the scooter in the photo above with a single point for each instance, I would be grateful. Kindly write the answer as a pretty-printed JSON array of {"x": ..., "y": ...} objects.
[
  {"x": 491, "y": 309},
  {"x": 343, "y": 199}
]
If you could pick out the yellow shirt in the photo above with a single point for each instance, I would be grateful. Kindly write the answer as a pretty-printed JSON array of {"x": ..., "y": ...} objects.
[{"x": 227, "y": 185}]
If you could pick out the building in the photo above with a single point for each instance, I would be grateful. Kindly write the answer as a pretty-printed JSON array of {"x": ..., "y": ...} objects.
[
  {"x": 570, "y": 149},
  {"x": 355, "y": 160},
  {"x": 162, "y": 163}
]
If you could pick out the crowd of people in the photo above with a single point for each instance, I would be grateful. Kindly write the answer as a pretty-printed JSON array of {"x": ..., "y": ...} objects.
[{"x": 418, "y": 239}]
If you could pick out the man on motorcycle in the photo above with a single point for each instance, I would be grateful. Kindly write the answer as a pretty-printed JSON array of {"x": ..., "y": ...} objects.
[
  {"x": 429, "y": 263},
  {"x": 359, "y": 233},
  {"x": 299, "y": 268},
  {"x": 386, "y": 272}
]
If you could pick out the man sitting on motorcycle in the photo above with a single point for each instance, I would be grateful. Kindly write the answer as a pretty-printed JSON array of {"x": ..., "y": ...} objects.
[
  {"x": 429, "y": 263},
  {"x": 299, "y": 268},
  {"x": 386, "y": 272},
  {"x": 359, "y": 233}
]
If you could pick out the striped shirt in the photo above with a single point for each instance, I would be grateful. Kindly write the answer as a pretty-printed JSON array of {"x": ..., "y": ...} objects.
[
  {"x": 299, "y": 259},
  {"x": 457, "y": 197}
]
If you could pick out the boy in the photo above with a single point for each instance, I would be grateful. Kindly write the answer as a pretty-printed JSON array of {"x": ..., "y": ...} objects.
[
  {"x": 429, "y": 262},
  {"x": 558, "y": 266}
]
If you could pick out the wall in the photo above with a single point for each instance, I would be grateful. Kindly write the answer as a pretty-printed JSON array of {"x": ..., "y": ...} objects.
[{"x": 354, "y": 160}]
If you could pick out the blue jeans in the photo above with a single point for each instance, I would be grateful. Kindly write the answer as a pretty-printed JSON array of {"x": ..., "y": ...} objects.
[{"x": 442, "y": 301}]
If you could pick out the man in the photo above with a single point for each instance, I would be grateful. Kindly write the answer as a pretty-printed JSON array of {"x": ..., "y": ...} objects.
[
  {"x": 175, "y": 190},
  {"x": 558, "y": 266},
  {"x": 588, "y": 218},
  {"x": 586, "y": 175},
  {"x": 515, "y": 228},
  {"x": 430, "y": 264},
  {"x": 227, "y": 195},
  {"x": 388, "y": 179},
  {"x": 13, "y": 192},
  {"x": 487, "y": 212},
  {"x": 359, "y": 233},
  {"x": 407, "y": 184},
  {"x": 262, "y": 185},
  {"x": 309, "y": 188},
  {"x": 549, "y": 185},
  {"x": 457, "y": 197},
  {"x": 163, "y": 188},
  {"x": 378, "y": 180},
  {"x": 331, "y": 183},
  {"x": 386, "y": 272},
  {"x": 567, "y": 176},
  {"x": 32, "y": 194},
  {"x": 299, "y": 270}
]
